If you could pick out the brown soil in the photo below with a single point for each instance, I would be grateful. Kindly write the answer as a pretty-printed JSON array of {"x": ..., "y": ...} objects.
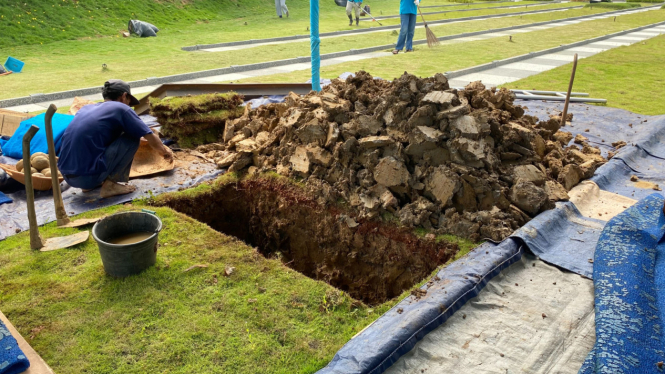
[
  {"x": 372, "y": 261},
  {"x": 464, "y": 162}
]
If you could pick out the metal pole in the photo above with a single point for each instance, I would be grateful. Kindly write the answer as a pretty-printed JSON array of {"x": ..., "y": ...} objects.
[
  {"x": 314, "y": 43},
  {"x": 570, "y": 88}
]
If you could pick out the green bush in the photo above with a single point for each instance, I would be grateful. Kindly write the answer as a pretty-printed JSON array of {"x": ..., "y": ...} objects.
[
  {"x": 644, "y": 1},
  {"x": 617, "y": 6}
]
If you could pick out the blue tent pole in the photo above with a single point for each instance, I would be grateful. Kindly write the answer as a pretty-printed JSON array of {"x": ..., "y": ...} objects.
[{"x": 314, "y": 43}]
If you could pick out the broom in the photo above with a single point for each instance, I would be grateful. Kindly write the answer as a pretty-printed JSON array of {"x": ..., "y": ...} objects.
[{"x": 431, "y": 38}]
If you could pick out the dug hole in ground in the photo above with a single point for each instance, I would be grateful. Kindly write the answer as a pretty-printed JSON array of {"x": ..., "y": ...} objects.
[{"x": 365, "y": 164}]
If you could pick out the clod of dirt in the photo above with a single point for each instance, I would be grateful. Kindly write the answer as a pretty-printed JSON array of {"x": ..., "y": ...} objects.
[
  {"x": 418, "y": 293},
  {"x": 633, "y": 178},
  {"x": 580, "y": 139},
  {"x": 619, "y": 144},
  {"x": 467, "y": 162}
]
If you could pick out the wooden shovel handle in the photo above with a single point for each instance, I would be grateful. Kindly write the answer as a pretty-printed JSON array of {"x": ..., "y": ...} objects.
[
  {"x": 36, "y": 240},
  {"x": 60, "y": 213}
]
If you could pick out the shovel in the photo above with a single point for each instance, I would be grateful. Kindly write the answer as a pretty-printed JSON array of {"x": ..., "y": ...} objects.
[
  {"x": 60, "y": 213},
  {"x": 36, "y": 241}
]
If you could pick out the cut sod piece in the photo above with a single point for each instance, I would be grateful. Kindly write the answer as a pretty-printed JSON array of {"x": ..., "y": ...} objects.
[{"x": 196, "y": 120}]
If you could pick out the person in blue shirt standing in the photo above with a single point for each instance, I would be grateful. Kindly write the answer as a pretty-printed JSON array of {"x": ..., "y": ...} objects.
[
  {"x": 99, "y": 144},
  {"x": 407, "y": 14},
  {"x": 353, "y": 5}
]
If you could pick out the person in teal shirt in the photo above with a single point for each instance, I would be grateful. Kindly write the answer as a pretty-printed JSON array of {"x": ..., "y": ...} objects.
[
  {"x": 407, "y": 13},
  {"x": 352, "y": 5}
]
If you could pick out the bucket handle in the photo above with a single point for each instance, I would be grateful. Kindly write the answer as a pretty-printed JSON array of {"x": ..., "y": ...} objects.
[{"x": 154, "y": 214}]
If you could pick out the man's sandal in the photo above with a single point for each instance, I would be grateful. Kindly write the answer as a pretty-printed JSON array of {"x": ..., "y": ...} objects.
[{"x": 395, "y": 51}]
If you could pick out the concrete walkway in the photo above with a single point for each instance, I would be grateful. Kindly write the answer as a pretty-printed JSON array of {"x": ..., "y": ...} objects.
[
  {"x": 432, "y": 24},
  {"x": 491, "y": 77}
]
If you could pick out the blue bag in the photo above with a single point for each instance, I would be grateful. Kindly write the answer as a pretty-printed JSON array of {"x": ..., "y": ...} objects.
[{"x": 14, "y": 146}]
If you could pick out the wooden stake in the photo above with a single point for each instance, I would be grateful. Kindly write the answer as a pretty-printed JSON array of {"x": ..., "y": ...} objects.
[
  {"x": 60, "y": 213},
  {"x": 570, "y": 89},
  {"x": 36, "y": 241}
]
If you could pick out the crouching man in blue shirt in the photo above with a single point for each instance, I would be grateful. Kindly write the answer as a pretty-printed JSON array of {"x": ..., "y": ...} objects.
[{"x": 99, "y": 144}]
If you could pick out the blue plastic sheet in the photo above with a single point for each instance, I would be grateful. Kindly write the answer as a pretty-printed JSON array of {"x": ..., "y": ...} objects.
[
  {"x": 563, "y": 237},
  {"x": 393, "y": 334},
  {"x": 265, "y": 100},
  {"x": 4, "y": 199},
  {"x": 629, "y": 279},
  {"x": 14, "y": 147},
  {"x": 12, "y": 359}
]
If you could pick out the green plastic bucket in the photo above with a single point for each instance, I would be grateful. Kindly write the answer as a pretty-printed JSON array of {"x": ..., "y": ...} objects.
[{"x": 121, "y": 260}]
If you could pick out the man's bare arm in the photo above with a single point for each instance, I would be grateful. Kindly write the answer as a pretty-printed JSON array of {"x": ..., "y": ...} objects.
[{"x": 157, "y": 145}]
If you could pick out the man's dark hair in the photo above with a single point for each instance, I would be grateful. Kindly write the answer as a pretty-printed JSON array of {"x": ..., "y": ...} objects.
[{"x": 110, "y": 94}]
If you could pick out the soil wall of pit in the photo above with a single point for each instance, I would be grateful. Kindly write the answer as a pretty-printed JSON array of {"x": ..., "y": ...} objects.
[{"x": 372, "y": 261}]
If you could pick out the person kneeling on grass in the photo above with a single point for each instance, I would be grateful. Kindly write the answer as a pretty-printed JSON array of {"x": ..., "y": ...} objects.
[
  {"x": 99, "y": 144},
  {"x": 407, "y": 14}
]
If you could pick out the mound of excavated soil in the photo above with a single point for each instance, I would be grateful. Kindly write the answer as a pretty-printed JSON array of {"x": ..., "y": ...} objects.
[{"x": 468, "y": 163}]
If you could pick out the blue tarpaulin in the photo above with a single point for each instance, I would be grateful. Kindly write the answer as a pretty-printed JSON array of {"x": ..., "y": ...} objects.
[
  {"x": 12, "y": 359},
  {"x": 4, "y": 199},
  {"x": 14, "y": 146},
  {"x": 629, "y": 281}
]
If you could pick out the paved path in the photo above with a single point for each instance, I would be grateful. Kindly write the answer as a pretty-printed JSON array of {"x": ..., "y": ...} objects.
[
  {"x": 432, "y": 24},
  {"x": 491, "y": 77},
  {"x": 536, "y": 65},
  {"x": 523, "y": 6}
]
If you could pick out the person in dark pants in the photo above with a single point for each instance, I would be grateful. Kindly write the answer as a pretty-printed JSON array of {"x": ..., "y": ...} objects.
[
  {"x": 351, "y": 7},
  {"x": 99, "y": 144},
  {"x": 407, "y": 13}
]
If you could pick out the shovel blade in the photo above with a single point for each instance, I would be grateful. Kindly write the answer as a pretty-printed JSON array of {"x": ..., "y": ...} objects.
[
  {"x": 81, "y": 222},
  {"x": 64, "y": 242}
]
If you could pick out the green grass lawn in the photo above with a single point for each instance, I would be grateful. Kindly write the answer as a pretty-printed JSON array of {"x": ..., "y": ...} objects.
[
  {"x": 70, "y": 64},
  {"x": 448, "y": 57},
  {"x": 167, "y": 320},
  {"x": 263, "y": 318},
  {"x": 45, "y": 21},
  {"x": 629, "y": 77}
]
